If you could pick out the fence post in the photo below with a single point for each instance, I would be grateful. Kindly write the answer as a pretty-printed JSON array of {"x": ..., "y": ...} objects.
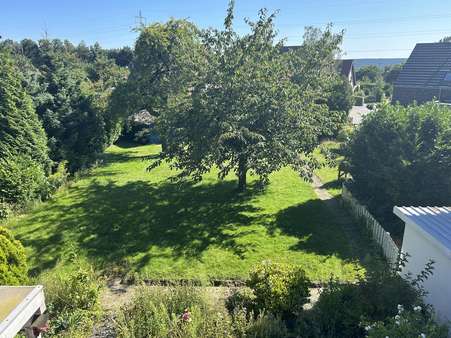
[{"x": 378, "y": 233}]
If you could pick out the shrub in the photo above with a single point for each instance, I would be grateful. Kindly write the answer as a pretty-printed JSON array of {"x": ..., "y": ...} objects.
[
  {"x": 13, "y": 264},
  {"x": 341, "y": 308},
  {"x": 186, "y": 312},
  {"x": 56, "y": 180},
  {"x": 404, "y": 145},
  {"x": 279, "y": 288},
  {"x": 242, "y": 298},
  {"x": 345, "y": 133},
  {"x": 371, "y": 106},
  {"x": 5, "y": 210},
  {"x": 21, "y": 180},
  {"x": 72, "y": 296},
  {"x": 415, "y": 322}
]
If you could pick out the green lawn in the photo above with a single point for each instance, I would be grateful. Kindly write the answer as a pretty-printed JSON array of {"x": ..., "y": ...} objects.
[
  {"x": 328, "y": 175},
  {"x": 122, "y": 215}
]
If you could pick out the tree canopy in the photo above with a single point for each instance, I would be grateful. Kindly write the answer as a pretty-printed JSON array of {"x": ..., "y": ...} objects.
[{"x": 245, "y": 106}]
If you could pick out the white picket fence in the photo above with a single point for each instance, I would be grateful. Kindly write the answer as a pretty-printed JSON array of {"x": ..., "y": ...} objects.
[{"x": 379, "y": 235}]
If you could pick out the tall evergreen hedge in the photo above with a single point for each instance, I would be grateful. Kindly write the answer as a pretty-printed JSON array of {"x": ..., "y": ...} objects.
[{"x": 23, "y": 142}]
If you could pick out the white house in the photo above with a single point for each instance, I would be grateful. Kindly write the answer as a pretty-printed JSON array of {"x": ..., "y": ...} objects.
[{"x": 427, "y": 235}]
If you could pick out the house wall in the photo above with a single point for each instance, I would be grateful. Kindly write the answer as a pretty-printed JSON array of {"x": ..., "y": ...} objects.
[
  {"x": 406, "y": 95},
  {"x": 421, "y": 247}
]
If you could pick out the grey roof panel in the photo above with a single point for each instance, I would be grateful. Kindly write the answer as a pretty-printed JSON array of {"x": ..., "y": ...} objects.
[
  {"x": 427, "y": 66},
  {"x": 436, "y": 221}
]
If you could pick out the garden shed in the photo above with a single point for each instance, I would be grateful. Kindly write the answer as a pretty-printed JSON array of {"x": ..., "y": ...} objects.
[{"x": 427, "y": 235}]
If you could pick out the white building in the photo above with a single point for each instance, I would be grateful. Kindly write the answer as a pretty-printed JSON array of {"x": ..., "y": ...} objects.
[{"x": 427, "y": 235}]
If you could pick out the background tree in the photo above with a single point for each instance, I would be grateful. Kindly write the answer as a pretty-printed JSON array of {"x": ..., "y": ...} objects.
[
  {"x": 167, "y": 61},
  {"x": 445, "y": 39},
  {"x": 24, "y": 161},
  {"x": 252, "y": 111},
  {"x": 71, "y": 88}
]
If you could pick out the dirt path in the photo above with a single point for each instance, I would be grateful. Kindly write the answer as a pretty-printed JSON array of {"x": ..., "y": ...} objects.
[{"x": 348, "y": 224}]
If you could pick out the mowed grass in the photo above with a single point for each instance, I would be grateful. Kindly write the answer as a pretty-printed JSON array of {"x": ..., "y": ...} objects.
[{"x": 121, "y": 215}]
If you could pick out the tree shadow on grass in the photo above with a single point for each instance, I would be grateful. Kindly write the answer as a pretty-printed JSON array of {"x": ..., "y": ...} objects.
[
  {"x": 333, "y": 184},
  {"x": 113, "y": 222},
  {"x": 316, "y": 227}
]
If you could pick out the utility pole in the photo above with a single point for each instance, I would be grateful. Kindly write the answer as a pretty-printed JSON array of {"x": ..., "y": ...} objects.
[
  {"x": 140, "y": 20},
  {"x": 45, "y": 33}
]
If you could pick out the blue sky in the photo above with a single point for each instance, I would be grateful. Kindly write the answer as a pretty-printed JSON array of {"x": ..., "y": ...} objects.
[{"x": 374, "y": 28}]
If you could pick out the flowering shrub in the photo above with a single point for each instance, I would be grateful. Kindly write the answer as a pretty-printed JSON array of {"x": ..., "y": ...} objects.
[
  {"x": 415, "y": 322},
  {"x": 150, "y": 314},
  {"x": 72, "y": 297}
]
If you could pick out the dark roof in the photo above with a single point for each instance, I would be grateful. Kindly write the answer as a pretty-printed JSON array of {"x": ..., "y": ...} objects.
[
  {"x": 345, "y": 67},
  {"x": 429, "y": 65}
]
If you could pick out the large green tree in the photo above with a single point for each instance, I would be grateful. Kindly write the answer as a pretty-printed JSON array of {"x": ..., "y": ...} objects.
[
  {"x": 253, "y": 108},
  {"x": 24, "y": 161}
]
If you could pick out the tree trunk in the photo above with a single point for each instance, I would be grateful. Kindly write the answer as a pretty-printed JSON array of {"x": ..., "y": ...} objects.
[
  {"x": 164, "y": 145},
  {"x": 242, "y": 172}
]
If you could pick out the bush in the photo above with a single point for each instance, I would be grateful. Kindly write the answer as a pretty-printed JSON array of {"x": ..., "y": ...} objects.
[
  {"x": 72, "y": 297},
  {"x": 341, "y": 308},
  {"x": 404, "y": 145},
  {"x": 345, "y": 133},
  {"x": 415, "y": 322},
  {"x": 22, "y": 180},
  {"x": 371, "y": 106},
  {"x": 242, "y": 298},
  {"x": 187, "y": 312},
  {"x": 13, "y": 263},
  {"x": 56, "y": 180},
  {"x": 279, "y": 288}
]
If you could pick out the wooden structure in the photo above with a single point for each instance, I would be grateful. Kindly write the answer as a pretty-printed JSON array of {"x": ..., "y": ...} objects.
[
  {"x": 378, "y": 233},
  {"x": 22, "y": 308}
]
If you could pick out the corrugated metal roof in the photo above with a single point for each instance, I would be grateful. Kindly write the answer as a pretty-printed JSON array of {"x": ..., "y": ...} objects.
[
  {"x": 427, "y": 66},
  {"x": 436, "y": 221}
]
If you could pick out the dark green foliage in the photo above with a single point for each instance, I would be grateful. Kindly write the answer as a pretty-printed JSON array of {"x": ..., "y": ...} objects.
[
  {"x": 71, "y": 87},
  {"x": 340, "y": 102},
  {"x": 24, "y": 161},
  {"x": 250, "y": 107},
  {"x": 22, "y": 180},
  {"x": 371, "y": 73},
  {"x": 13, "y": 263},
  {"x": 341, "y": 98},
  {"x": 342, "y": 309},
  {"x": 445, "y": 39},
  {"x": 279, "y": 288},
  {"x": 21, "y": 132},
  {"x": 402, "y": 156}
]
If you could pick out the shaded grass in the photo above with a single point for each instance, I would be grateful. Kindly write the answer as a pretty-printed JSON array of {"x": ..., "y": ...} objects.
[
  {"x": 328, "y": 174},
  {"x": 121, "y": 215}
]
